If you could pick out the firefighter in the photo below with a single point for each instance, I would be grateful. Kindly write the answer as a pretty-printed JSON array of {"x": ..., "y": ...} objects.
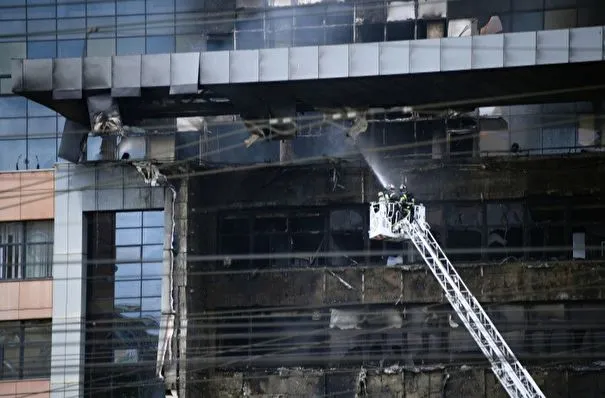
[
  {"x": 392, "y": 193},
  {"x": 404, "y": 201}
]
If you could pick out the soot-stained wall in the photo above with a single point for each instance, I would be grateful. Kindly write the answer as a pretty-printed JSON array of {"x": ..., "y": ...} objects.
[{"x": 226, "y": 298}]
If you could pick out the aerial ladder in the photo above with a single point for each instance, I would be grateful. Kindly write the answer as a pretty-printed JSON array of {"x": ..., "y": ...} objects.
[{"x": 386, "y": 223}]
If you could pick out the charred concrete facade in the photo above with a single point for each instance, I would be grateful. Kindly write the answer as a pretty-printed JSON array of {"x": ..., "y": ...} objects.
[
  {"x": 270, "y": 285},
  {"x": 305, "y": 324}
]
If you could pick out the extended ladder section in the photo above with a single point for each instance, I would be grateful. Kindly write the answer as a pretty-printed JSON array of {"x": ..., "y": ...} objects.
[{"x": 515, "y": 379}]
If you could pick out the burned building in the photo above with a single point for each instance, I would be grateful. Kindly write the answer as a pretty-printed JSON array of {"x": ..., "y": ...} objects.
[{"x": 211, "y": 225}]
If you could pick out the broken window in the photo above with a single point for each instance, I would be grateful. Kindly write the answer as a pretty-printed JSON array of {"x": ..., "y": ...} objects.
[
  {"x": 547, "y": 234},
  {"x": 235, "y": 240},
  {"x": 263, "y": 338},
  {"x": 347, "y": 235},
  {"x": 464, "y": 232},
  {"x": 505, "y": 230},
  {"x": 545, "y": 329},
  {"x": 278, "y": 239}
]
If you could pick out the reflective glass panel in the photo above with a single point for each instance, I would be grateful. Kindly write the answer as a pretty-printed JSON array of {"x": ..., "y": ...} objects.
[
  {"x": 13, "y": 106},
  {"x": 12, "y": 128},
  {"x": 42, "y": 127},
  {"x": 70, "y": 48},
  {"x": 13, "y": 153},
  {"x": 42, "y": 153},
  {"x": 130, "y": 46},
  {"x": 129, "y": 219},
  {"x": 160, "y": 44}
]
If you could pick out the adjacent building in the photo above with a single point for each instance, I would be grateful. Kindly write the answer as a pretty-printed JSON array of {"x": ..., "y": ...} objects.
[
  {"x": 213, "y": 165},
  {"x": 26, "y": 284}
]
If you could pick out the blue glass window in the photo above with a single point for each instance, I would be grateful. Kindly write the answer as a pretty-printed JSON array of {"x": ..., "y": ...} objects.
[
  {"x": 42, "y": 127},
  {"x": 106, "y": 26},
  {"x": 160, "y": 44},
  {"x": 71, "y": 28},
  {"x": 70, "y": 48},
  {"x": 189, "y": 23},
  {"x": 160, "y": 6},
  {"x": 36, "y": 109},
  {"x": 13, "y": 154},
  {"x": 129, "y": 288},
  {"x": 101, "y": 47},
  {"x": 100, "y": 8},
  {"x": 153, "y": 235},
  {"x": 12, "y": 128},
  {"x": 153, "y": 219},
  {"x": 130, "y": 46},
  {"x": 188, "y": 5},
  {"x": 13, "y": 107},
  {"x": 42, "y": 29},
  {"x": 129, "y": 7},
  {"x": 12, "y": 13},
  {"x": 38, "y": 11},
  {"x": 152, "y": 270},
  {"x": 153, "y": 253},
  {"x": 190, "y": 43},
  {"x": 76, "y": 9},
  {"x": 42, "y": 153},
  {"x": 41, "y": 49},
  {"x": 129, "y": 219},
  {"x": 152, "y": 287},
  {"x": 12, "y": 30},
  {"x": 160, "y": 24},
  {"x": 131, "y": 25}
]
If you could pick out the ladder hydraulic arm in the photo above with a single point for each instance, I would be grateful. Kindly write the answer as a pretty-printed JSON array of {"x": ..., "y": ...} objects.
[{"x": 515, "y": 379}]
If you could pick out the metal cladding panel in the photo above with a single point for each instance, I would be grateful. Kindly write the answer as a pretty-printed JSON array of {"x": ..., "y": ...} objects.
[
  {"x": 214, "y": 67},
  {"x": 394, "y": 58},
  {"x": 184, "y": 73},
  {"x": 364, "y": 59},
  {"x": 243, "y": 66},
  {"x": 67, "y": 78},
  {"x": 38, "y": 74},
  {"x": 553, "y": 47},
  {"x": 72, "y": 141},
  {"x": 519, "y": 49},
  {"x": 304, "y": 63},
  {"x": 97, "y": 73},
  {"x": 586, "y": 44},
  {"x": 432, "y": 9},
  {"x": 155, "y": 70},
  {"x": 126, "y": 77},
  {"x": 456, "y": 53},
  {"x": 17, "y": 75},
  {"x": 488, "y": 51},
  {"x": 333, "y": 61},
  {"x": 425, "y": 56},
  {"x": 273, "y": 64}
]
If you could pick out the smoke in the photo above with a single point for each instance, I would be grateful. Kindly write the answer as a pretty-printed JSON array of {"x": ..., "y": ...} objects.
[{"x": 368, "y": 144}]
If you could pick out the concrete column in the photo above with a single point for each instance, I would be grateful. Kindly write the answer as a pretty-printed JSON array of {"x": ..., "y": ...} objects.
[
  {"x": 79, "y": 189},
  {"x": 69, "y": 290}
]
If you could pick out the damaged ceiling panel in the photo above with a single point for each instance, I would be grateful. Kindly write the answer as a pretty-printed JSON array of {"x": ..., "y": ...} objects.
[
  {"x": 432, "y": 9},
  {"x": 401, "y": 11}
]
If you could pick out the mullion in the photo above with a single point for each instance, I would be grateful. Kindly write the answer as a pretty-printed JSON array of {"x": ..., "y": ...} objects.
[
  {"x": 141, "y": 263},
  {"x": 21, "y": 349},
  {"x": 23, "y": 256}
]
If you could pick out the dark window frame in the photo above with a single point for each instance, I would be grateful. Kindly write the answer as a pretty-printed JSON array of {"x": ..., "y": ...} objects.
[
  {"x": 22, "y": 336},
  {"x": 19, "y": 271}
]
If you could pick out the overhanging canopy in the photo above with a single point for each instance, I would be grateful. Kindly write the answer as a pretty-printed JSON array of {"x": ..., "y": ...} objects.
[{"x": 511, "y": 68}]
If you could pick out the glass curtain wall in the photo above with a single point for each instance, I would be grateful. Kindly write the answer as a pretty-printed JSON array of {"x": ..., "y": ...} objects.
[
  {"x": 29, "y": 133},
  {"x": 123, "y": 303}
]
